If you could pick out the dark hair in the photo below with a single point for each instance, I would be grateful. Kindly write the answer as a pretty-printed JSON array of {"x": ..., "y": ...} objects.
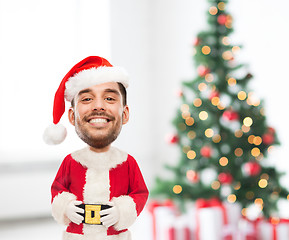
[{"x": 122, "y": 91}]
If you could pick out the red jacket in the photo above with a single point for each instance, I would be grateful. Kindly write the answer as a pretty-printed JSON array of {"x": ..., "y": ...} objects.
[{"x": 96, "y": 178}]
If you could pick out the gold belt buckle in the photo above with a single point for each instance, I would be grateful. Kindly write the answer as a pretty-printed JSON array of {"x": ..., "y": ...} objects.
[{"x": 92, "y": 215}]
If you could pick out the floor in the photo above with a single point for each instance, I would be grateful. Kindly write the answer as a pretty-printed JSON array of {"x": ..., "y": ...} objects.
[
  {"x": 43, "y": 228},
  {"x": 48, "y": 229}
]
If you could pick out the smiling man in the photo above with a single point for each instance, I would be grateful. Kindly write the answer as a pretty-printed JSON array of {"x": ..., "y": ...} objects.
[
  {"x": 98, "y": 191},
  {"x": 99, "y": 114}
]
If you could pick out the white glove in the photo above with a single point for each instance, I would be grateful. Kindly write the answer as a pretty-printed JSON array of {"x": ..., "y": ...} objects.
[
  {"x": 112, "y": 215},
  {"x": 72, "y": 211}
]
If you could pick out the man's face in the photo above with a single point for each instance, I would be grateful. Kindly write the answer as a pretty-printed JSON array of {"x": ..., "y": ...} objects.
[{"x": 98, "y": 115}]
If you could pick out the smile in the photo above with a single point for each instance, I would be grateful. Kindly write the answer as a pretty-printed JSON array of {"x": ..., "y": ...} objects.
[{"x": 98, "y": 120}]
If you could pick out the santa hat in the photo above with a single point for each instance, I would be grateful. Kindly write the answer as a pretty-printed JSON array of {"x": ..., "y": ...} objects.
[{"x": 90, "y": 71}]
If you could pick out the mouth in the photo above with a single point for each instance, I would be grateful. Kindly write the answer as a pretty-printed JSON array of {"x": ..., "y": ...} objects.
[{"x": 99, "y": 120}]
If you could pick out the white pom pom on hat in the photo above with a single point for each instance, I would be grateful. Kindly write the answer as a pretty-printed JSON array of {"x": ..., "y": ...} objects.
[
  {"x": 54, "y": 134},
  {"x": 90, "y": 71}
]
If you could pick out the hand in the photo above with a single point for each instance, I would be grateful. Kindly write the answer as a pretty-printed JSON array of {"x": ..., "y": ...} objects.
[
  {"x": 72, "y": 211},
  {"x": 111, "y": 215}
]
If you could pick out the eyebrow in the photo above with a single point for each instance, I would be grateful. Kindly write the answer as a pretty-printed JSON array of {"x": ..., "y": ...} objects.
[
  {"x": 107, "y": 90},
  {"x": 84, "y": 91},
  {"x": 110, "y": 90}
]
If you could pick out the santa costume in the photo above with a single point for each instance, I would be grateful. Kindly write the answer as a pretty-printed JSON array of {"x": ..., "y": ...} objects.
[{"x": 91, "y": 177}]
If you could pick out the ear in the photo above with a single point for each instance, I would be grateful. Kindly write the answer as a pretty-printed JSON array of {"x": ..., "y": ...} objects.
[
  {"x": 125, "y": 115},
  {"x": 71, "y": 116}
]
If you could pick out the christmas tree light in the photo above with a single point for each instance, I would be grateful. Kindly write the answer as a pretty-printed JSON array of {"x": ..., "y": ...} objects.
[{"x": 221, "y": 128}]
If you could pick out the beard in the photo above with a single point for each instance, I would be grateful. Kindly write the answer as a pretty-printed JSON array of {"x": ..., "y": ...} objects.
[{"x": 93, "y": 137}]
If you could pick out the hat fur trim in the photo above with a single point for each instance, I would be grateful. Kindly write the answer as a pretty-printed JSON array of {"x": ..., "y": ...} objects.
[{"x": 93, "y": 76}]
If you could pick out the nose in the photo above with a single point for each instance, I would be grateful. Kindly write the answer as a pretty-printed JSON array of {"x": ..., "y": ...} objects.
[{"x": 98, "y": 105}]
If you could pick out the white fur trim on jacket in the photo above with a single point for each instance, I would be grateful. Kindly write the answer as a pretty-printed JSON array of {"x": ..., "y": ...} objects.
[
  {"x": 94, "y": 76},
  {"x": 100, "y": 161},
  {"x": 96, "y": 189},
  {"x": 59, "y": 205},
  {"x": 127, "y": 212}
]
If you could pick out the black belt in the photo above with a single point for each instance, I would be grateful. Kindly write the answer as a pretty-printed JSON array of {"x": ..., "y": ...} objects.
[{"x": 91, "y": 213}]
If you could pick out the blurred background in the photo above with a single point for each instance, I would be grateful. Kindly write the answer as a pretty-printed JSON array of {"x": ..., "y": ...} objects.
[{"x": 153, "y": 39}]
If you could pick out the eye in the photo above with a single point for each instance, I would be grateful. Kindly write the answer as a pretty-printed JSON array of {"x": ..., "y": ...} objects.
[
  {"x": 109, "y": 99},
  {"x": 87, "y": 99}
]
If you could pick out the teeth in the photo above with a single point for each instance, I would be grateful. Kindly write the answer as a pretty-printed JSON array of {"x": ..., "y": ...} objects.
[{"x": 98, "y": 120}]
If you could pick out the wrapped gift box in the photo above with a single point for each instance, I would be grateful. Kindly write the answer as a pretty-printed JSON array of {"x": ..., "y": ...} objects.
[
  {"x": 204, "y": 220},
  {"x": 216, "y": 220},
  {"x": 274, "y": 229},
  {"x": 168, "y": 223},
  {"x": 248, "y": 229},
  {"x": 180, "y": 230}
]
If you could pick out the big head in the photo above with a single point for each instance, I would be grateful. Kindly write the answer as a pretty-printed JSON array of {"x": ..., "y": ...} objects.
[{"x": 87, "y": 74}]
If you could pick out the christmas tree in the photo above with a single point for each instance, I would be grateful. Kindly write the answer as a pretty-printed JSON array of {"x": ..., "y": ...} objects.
[{"x": 221, "y": 128}]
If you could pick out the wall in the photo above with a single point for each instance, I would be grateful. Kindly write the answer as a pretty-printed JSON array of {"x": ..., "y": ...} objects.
[
  {"x": 153, "y": 39},
  {"x": 39, "y": 42},
  {"x": 261, "y": 27}
]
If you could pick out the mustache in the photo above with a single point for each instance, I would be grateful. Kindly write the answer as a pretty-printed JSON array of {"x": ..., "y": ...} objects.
[{"x": 99, "y": 114}]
